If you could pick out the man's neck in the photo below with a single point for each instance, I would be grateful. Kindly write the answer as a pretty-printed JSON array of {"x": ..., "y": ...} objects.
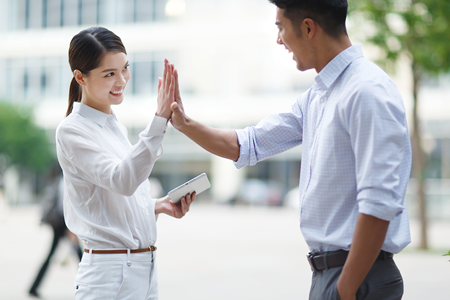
[{"x": 328, "y": 48}]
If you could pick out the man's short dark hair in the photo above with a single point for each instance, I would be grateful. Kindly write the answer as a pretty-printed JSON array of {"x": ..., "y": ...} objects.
[{"x": 329, "y": 14}]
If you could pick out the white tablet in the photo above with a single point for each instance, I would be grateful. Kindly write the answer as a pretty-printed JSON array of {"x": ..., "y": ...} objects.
[{"x": 197, "y": 184}]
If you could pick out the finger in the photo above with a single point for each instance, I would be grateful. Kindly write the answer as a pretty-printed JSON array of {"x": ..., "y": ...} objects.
[
  {"x": 188, "y": 200},
  {"x": 193, "y": 197},
  {"x": 184, "y": 204},
  {"x": 177, "y": 86},
  {"x": 172, "y": 88},
  {"x": 168, "y": 78},
  {"x": 164, "y": 81},
  {"x": 174, "y": 107},
  {"x": 159, "y": 83}
]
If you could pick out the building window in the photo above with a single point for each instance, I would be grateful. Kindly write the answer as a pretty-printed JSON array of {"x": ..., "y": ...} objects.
[
  {"x": 43, "y": 81},
  {"x": 69, "y": 12},
  {"x": 88, "y": 9},
  {"x": 26, "y": 79},
  {"x": 149, "y": 10},
  {"x": 27, "y": 14},
  {"x": 33, "y": 13},
  {"x": 145, "y": 70},
  {"x": 21, "y": 9},
  {"x": 44, "y": 13},
  {"x": 53, "y": 12},
  {"x": 144, "y": 10},
  {"x": 8, "y": 79}
]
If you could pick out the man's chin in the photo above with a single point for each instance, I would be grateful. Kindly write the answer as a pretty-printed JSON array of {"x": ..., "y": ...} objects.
[{"x": 302, "y": 68}]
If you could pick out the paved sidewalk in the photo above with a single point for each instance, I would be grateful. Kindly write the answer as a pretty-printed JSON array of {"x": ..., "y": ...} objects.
[{"x": 214, "y": 253}]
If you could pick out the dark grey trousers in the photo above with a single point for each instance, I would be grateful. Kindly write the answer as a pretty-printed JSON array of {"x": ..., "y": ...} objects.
[{"x": 383, "y": 282}]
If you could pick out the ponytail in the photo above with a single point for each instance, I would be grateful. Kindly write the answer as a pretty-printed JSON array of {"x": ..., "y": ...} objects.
[{"x": 74, "y": 95}]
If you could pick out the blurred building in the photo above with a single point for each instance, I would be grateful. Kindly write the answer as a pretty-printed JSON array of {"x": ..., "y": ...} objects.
[{"x": 232, "y": 74}]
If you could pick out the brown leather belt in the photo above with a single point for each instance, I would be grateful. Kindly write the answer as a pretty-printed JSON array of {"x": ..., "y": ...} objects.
[
  {"x": 149, "y": 249},
  {"x": 333, "y": 259}
]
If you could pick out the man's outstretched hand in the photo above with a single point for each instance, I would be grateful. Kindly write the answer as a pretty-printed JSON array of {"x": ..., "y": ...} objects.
[{"x": 179, "y": 118}]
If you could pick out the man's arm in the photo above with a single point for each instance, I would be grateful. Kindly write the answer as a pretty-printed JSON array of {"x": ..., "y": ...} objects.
[
  {"x": 221, "y": 142},
  {"x": 368, "y": 238}
]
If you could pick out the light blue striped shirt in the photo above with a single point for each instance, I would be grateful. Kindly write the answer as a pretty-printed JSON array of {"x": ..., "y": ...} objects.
[{"x": 356, "y": 155}]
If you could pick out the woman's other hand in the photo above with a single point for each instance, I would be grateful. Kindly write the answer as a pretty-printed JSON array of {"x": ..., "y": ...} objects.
[{"x": 177, "y": 210}]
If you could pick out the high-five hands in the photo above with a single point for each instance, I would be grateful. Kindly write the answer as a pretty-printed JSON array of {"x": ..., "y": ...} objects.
[
  {"x": 166, "y": 91},
  {"x": 169, "y": 101}
]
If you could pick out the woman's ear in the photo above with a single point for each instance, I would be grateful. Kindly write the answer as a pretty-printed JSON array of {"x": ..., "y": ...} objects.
[{"x": 79, "y": 77}]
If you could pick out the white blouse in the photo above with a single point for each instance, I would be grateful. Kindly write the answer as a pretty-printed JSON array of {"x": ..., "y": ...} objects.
[{"x": 107, "y": 201}]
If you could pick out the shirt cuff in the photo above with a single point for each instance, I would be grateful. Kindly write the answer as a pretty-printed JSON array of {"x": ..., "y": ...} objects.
[
  {"x": 156, "y": 127},
  {"x": 380, "y": 210},
  {"x": 153, "y": 134},
  {"x": 153, "y": 205},
  {"x": 241, "y": 162}
]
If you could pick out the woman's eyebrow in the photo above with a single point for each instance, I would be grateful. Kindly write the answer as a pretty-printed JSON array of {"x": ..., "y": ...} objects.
[{"x": 110, "y": 70}]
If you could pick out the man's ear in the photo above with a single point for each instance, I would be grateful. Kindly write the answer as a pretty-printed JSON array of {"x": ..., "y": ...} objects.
[
  {"x": 310, "y": 27},
  {"x": 79, "y": 77}
]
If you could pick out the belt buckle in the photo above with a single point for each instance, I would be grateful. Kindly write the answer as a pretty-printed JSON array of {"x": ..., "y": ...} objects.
[{"x": 310, "y": 258}]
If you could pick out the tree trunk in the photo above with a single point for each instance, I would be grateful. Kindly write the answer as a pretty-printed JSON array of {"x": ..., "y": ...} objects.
[{"x": 419, "y": 161}]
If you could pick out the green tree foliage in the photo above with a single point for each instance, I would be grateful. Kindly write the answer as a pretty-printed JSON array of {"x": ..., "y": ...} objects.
[
  {"x": 418, "y": 29},
  {"x": 22, "y": 143}
]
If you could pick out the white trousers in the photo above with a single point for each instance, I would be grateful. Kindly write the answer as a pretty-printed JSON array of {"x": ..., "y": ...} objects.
[{"x": 117, "y": 276}]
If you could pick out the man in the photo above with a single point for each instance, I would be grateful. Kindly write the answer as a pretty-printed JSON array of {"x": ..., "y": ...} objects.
[{"x": 356, "y": 154}]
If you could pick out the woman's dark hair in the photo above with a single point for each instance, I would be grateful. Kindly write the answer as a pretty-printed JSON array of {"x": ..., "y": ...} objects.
[
  {"x": 329, "y": 14},
  {"x": 86, "y": 52}
]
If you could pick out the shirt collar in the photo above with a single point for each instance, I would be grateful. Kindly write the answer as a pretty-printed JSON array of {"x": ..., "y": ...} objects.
[
  {"x": 328, "y": 75},
  {"x": 90, "y": 113}
]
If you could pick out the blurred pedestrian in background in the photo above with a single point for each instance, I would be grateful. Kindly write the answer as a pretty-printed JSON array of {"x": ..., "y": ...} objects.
[
  {"x": 53, "y": 215},
  {"x": 107, "y": 201},
  {"x": 356, "y": 154}
]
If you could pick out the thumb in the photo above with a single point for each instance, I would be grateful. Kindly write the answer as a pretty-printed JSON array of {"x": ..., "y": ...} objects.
[{"x": 174, "y": 107}]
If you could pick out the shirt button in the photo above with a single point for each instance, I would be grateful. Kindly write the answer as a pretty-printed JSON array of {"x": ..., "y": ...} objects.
[{"x": 322, "y": 100}]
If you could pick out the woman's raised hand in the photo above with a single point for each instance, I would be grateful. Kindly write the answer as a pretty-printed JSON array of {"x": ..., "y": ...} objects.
[{"x": 166, "y": 91}]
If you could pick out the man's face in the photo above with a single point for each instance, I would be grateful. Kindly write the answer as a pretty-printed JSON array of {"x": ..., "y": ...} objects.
[{"x": 295, "y": 41}]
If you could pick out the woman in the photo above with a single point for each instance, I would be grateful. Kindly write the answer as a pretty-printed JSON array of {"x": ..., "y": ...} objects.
[{"x": 107, "y": 201}]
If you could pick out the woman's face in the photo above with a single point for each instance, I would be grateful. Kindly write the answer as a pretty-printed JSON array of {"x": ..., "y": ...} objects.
[{"x": 104, "y": 86}]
